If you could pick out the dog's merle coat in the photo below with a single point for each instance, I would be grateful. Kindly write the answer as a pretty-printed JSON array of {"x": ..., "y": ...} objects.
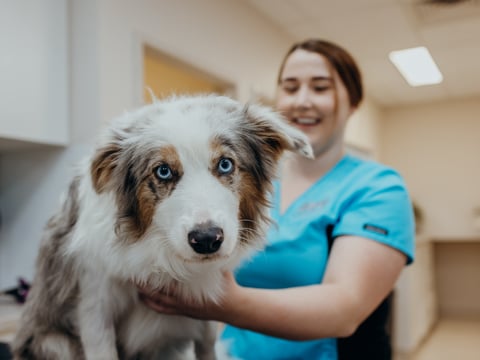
[{"x": 175, "y": 192}]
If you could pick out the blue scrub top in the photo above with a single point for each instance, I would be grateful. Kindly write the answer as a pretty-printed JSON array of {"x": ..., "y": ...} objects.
[{"x": 356, "y": 197}]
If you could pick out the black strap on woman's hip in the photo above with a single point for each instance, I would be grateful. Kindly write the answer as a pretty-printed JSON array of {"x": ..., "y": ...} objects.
[{"x": 372, "y": 338}]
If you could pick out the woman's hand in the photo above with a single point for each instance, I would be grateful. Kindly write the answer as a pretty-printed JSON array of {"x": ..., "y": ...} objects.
[
  {"x": 167, "y": 301},
  {"x": 360, "y": 274}
]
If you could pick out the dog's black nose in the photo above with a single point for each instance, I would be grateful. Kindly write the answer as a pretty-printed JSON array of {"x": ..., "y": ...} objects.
[{"x": 205, "y": 239}]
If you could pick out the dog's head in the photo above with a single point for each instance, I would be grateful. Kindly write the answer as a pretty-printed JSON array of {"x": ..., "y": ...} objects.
[{"x": 192, "y": 176}]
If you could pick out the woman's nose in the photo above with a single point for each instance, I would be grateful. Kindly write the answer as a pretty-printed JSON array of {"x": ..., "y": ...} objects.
[{"x": 302, "y": 97}]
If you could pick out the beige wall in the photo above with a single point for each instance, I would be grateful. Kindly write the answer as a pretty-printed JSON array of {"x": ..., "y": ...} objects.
[
  {"x": 364, "y": 128},
  {"x": 415, "y": 309},
  {"x": 457, "y": 268},
  {"x": 436, "y": 147}
]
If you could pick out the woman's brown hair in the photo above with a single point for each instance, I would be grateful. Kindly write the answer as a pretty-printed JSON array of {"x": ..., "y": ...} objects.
[{"x": 340, "y": 59}]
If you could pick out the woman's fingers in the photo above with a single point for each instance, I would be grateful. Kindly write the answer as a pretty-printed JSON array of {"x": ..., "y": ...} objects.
[
  {"x": 170, "y": 289},
  {"x": 168, "y": 301},
  {"x": 160, "y": 303}
]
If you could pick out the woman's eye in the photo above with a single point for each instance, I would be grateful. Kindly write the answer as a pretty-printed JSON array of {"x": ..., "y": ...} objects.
[
  {"x": 164, "y": 172},
  {"x": 290, "y": 89},
  {"x": 225, "y": 166},
  {"x": 321, "y": 88}
]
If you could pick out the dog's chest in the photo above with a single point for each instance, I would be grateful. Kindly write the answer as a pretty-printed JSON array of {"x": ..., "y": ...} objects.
[{"x": 142, "y": 330}]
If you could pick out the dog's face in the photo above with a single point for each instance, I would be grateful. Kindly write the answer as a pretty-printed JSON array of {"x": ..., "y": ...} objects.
[{"x": 191, "y": 177}]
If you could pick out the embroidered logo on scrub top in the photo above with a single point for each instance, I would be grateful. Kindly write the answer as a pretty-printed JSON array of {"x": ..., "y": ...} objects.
[
  {"x": 375, "y": 229},
  {"x": 311, "y": 206}
]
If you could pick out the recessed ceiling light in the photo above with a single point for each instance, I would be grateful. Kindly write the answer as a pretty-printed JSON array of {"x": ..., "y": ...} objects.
[{"x": 417, "y": 66}]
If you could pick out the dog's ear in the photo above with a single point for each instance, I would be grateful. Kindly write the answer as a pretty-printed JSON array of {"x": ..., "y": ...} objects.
[
  {"x": 103, "y": 164},
  {"x": 264, "y": 136},
  {"x": 275, "y": 133}
]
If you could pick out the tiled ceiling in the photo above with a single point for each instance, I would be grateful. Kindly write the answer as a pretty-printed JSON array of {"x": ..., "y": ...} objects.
[{"x": 370, "y": 29}]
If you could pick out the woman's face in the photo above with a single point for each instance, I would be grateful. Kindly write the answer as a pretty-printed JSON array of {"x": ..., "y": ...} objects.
[{"x": 314, "y": 99}]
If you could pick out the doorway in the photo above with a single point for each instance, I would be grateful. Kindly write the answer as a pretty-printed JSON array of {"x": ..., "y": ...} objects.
[{"x": 165, "y": 76}]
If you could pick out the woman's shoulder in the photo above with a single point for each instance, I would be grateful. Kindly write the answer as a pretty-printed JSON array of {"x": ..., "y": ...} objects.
[
  {"x": 365, "y": 175},
  {"x": 371, "y": 169}
]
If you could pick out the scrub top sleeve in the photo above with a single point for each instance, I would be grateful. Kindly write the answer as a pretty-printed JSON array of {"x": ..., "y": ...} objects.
[{"x": 382, "y": 212}]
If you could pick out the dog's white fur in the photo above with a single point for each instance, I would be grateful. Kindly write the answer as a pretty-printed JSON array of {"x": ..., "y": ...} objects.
[{"x": 123, "y": 225}]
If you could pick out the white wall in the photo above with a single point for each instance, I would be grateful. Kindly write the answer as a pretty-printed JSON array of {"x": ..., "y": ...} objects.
[
  {"x": 34, "y": 124},
  {"x": 85, "y": 70},
  {"x": 31, "y": 184},
  {"x": 436, "y": 147},
  {"x": 34, "y": 71}
]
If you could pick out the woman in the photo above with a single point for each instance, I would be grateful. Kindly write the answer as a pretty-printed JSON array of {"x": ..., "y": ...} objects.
[{"x": 344, "y": 233}]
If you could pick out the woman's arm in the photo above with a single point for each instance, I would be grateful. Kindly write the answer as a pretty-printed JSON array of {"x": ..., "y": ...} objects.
[{"x": 360, "y": 274}]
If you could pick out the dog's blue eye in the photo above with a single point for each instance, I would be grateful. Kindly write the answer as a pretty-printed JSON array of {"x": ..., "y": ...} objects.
[
  {"x": 164, "y": 172},
  {"x": 225, "y": 166}
]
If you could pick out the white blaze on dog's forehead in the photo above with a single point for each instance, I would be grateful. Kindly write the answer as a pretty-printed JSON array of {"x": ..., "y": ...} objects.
[{"x": 189, "y": 127}]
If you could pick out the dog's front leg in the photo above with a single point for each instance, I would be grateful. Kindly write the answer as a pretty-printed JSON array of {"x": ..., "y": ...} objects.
[
  {"x": 205, "y": 347},
  {"x": 96, "y": 319}
]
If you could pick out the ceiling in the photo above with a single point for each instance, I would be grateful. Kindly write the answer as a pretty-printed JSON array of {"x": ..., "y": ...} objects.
[{"x": 370, "y": 29}]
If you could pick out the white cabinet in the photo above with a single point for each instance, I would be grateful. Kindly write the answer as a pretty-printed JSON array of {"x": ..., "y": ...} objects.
[{"x": 34, "y": 90}]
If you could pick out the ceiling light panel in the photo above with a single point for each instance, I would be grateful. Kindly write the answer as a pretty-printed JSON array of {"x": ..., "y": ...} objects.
[{"x": 417, "y": 66}]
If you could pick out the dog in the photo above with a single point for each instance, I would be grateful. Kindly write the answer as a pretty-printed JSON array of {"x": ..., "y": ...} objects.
[{"x": 175, "y": 192}]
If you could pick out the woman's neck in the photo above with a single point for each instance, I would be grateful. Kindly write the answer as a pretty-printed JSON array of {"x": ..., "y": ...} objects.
[
  {"x": 299, "y": 174},
  {"x": 313, "y": 169}
]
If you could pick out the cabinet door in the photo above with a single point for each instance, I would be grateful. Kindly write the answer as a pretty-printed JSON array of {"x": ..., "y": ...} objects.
[{"x": 34, "y": 71}]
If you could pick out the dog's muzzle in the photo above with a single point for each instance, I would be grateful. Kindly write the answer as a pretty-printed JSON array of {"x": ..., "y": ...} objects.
[{"x": 205, "y": 238}]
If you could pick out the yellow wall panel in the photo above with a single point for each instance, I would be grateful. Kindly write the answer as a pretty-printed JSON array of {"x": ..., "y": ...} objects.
[{"x": 165, "y": 76}]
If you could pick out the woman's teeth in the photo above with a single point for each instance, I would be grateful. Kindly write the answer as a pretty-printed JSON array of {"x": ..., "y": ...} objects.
[{"x": 306, "y": 121}]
